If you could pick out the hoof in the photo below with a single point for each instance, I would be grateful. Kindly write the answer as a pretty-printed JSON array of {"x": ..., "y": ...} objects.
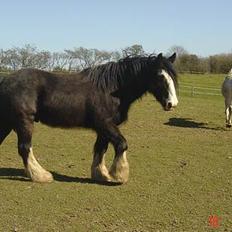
[
  {"x": 35, "y": 171},
  {"x": 120, "y": 177},
  {"x": 42, "y": 177},
  {"x": 100, "y": 174},
  {"x": 46, "y": 177},
  {"x": 120, "y": 169},
  {"x": 228, "y": 125}
]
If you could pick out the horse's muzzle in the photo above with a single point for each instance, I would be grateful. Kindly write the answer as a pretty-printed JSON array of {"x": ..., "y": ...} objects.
[{"x": 169, "y": 106}]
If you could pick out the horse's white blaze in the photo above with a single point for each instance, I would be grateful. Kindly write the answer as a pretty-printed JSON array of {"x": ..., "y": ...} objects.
[
  {"x": 99, "y": 170},
  {"x": 120, "y": 168},
  {"x": 35, "y": 171},
  {"x": 172, "y": 98}
]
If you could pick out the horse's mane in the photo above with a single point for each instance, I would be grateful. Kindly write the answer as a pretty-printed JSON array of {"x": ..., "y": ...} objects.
[{"x": 113, "y": 75}]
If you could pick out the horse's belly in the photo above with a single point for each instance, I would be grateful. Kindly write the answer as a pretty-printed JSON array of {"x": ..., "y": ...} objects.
[{"x": 62, "y": 117}]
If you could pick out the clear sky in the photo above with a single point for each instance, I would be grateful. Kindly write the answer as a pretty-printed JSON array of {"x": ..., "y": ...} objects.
[{"x": 202, "y": 27}]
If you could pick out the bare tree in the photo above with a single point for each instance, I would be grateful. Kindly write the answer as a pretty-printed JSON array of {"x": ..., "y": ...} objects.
[
  {"x": 71, "y": 60},
  {"x": 81, "y": 58},
  {"x": 179, "y": 50},
  {"x": 2, "y": 58},
  {"x": 26, "y": 55},
  {"x": 12, "y": 59},
  {"x": 42, "y": 60},
  {"x": 59, "y": 61},
  {"x": 134, "y": 50},
  {"x": 116, "y": 55}
]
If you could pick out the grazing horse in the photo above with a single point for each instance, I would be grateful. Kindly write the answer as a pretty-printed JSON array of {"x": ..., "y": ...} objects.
[
  {"x": 97, "y": 98},
  {"x": 227, "y": 93}
]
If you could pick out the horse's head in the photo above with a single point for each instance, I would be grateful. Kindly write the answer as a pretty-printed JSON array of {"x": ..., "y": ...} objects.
[{"x": 163, "y": 82}]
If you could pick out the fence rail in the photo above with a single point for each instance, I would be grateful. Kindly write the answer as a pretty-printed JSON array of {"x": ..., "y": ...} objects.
[{"x": 197, "y": 90}]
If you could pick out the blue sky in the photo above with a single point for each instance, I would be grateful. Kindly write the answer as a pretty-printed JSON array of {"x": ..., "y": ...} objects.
[{"x": 202, "y": 27}]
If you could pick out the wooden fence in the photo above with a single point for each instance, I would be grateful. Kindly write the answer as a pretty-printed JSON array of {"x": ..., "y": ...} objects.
[{"x": 197, "y": 90}]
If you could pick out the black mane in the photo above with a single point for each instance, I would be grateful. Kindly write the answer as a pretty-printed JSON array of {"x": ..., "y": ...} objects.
[{"x": 113, "y": 75}]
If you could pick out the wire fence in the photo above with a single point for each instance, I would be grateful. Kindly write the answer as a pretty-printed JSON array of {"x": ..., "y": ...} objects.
[{"x": 197, "y": 90}]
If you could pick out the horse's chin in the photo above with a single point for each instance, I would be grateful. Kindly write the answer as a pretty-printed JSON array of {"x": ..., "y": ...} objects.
[{"x": 168, "y": 108}]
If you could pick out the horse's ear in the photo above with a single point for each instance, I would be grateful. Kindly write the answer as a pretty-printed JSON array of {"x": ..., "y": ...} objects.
[
  {"x": 172, "y": 58},
  {"x": 159, "y": 57}
]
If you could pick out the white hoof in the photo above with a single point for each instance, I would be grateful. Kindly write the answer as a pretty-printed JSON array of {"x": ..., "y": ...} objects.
[
  {"x": 35, "y": 171},
  {"x": 40, "y": 177},
  {"x": 120, "y": 169},
  {"x": 100, "y": 173}
]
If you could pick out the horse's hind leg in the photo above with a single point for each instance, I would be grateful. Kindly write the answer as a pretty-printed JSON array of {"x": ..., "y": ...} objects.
[
  {"x": 99, "y": 171},
  {"x": 32, "y": 167}
]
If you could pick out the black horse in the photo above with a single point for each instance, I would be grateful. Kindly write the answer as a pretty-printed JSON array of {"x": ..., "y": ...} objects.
[{"x": 96, "y": 98}]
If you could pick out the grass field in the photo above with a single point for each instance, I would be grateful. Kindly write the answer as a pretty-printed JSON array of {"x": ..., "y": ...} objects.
[{"x": 180, "y": 173}]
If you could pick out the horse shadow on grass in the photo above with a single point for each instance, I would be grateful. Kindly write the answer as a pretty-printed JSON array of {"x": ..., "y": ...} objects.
[
  {"x": 19, "y": 175},
  {"x": 13, "y": 174},
  {"x": 190, "y": 123}
]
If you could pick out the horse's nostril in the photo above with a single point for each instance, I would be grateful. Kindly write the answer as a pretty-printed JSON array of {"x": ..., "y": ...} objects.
[{"x": 169, "y": 105}]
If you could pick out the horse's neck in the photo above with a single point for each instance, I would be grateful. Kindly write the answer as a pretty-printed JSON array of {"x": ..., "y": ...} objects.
[{"x": 130, "y": 93}]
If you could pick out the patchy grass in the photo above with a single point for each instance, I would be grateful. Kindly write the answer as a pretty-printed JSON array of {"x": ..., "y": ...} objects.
[{"x": 180, "y": 174}]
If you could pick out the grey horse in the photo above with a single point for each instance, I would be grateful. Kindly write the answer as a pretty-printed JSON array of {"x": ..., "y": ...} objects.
[{"x": 227, "y": 93}]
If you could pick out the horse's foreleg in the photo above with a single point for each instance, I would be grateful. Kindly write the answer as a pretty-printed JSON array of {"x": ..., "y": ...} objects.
[
  {"x": 33, "y": 169},
  {"x": 120, "y": 167},
  {"x": 99, "y": 171},
  {"x": 230, "y": 112}
]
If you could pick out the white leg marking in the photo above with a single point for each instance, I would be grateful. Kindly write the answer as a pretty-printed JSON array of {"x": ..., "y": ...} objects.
[
  {"x": 120, "y": 168},
  {"x": 99, "y": 171},
  {"x": 227, "y": 115},
  {"x": 230, "y": 111},
  {"x": 35, "y": 171}
]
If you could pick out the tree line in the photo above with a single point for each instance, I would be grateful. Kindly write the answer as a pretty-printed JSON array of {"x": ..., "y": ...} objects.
[
  {"x": 76, "y": 59},
  {"x": 186, "y": 62}
]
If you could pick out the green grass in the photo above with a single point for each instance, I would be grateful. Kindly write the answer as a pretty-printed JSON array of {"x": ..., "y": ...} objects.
[
  {"x": 203, "y": 80},
  {"x": 180, "y": 173}
]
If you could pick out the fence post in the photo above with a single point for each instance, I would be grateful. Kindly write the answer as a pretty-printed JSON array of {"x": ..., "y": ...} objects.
[{"x": 192, "y": 92}]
